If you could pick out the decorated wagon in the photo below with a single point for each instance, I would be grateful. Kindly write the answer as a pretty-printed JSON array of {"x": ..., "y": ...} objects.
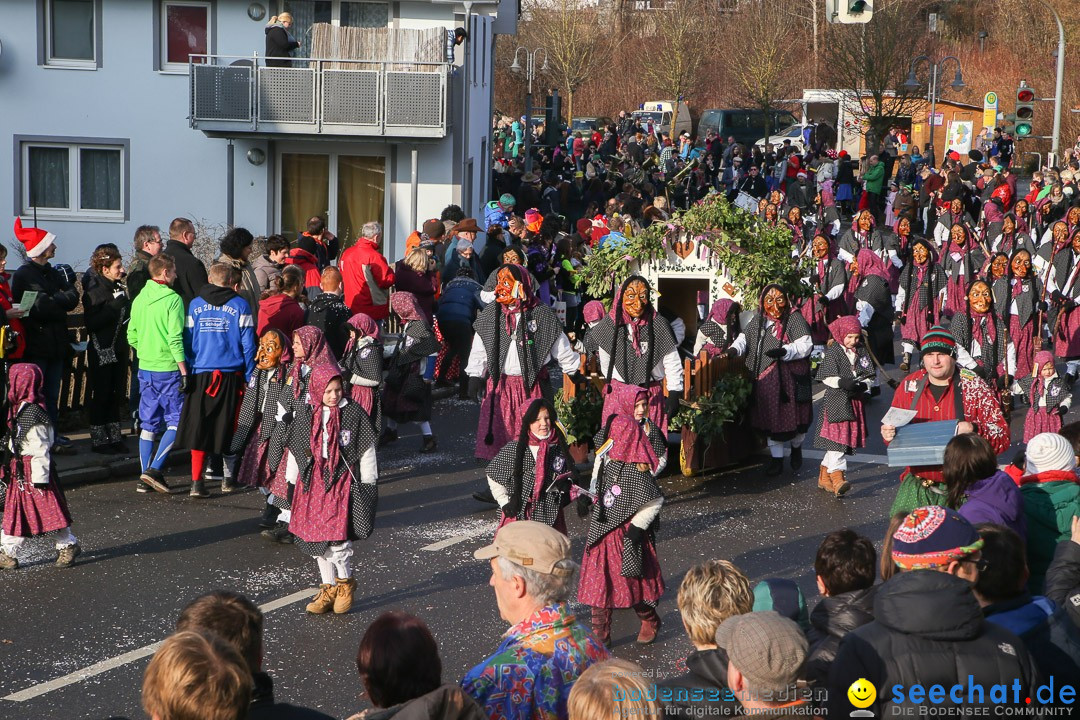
[{"x": 710, "y": 252}]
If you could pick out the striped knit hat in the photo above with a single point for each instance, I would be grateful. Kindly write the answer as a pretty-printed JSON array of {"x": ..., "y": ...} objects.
[
  {"x": 933, "y": 536},
  {"x": 938, "y": 339}
]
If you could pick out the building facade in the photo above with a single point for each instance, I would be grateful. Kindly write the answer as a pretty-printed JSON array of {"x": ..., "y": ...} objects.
[{"x": 128, "y": 112}]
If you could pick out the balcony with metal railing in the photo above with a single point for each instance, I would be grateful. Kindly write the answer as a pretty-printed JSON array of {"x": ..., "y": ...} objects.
[{"x": 234, "y": 95}]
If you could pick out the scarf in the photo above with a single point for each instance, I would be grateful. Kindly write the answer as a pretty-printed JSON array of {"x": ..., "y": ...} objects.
[
  {"x": 316, "y": 354},
  {"x": 24, "y": 386},
  {"x": 406, "y": 307},
  {"x": 331, "y": 430},
  {"x": 543, "y": 447}
]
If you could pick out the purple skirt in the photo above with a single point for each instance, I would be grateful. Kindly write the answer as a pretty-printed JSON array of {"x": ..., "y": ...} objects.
[
  {"x": 849, "y": 433},
  {"x": 655, "y": 405},
  {"x": 253, "y": 471},
  {"x": 1040, "y": 421},
  {"x": 1067, "y": 337},
  {"x": 602, "y": 584},
  {"x": 34, "y": 510},
  {"x": 512, "y": 401},
  {"x": 277, "y": 483},
  {"x": 916, "y": 324},
  {"x": 1024, "y": 341},
  {"x": 774, "y": 412}
]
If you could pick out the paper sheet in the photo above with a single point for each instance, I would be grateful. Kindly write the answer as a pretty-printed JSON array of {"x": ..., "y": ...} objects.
[
  {"x": 898, "y": 417},
  {"x": 29, "y": 297}
]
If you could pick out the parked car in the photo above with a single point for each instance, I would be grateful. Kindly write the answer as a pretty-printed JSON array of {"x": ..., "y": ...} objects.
[
  {"x": 794, "y": 133},
  {"x": 587, "y": 124},
  {"x": 659, "y": 113},
  {"x": 746, "y": 125}
]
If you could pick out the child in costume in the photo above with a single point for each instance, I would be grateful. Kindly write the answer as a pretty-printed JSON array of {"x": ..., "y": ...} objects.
[
  {"x": 333, "y": 466},
  {"x": 34, "y": 503},
  {"x": 533, "y": 485},
  {"x": 362, "y": 363},
  {"x": 1048, "y": 394},
  {"x": 847, "y": 373},
  {"x": 407, "y": 395},
  {"x": 620, "y": 568}
]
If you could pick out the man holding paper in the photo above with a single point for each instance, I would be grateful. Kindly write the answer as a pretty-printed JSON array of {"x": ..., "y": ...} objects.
[{"x": 941, "y": 391}]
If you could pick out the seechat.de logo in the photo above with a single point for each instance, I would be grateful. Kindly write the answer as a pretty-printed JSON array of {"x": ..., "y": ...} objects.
[{"x": 862, "y": 695}]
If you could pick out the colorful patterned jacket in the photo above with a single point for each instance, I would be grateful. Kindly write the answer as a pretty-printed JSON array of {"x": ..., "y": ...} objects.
[{"x": 530, "y": 676}]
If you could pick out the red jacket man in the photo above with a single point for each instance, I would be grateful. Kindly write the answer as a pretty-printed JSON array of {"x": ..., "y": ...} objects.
[{"x": 367, "y": 275}]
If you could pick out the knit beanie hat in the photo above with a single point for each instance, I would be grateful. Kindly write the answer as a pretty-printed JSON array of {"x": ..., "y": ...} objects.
[
  {"x": 938, "y": 339},
  {"x": 933, "y": 536},
  {"x": 1049, "y": 451}
]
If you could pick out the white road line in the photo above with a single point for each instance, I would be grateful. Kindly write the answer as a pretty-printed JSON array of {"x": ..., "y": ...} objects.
[
  {"x": 447, "y": 542},
  {"x": 818, "y": 395},
  {"x": 129, "y": 657}
]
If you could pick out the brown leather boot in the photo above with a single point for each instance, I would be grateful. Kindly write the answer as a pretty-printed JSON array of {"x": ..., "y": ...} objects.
[
  {"x": 324, "y": 601},
  {"x": 650, "y": 624},
  {"x": 823, "y": 479},
  {"x": 839, "y": 483},
  {"x": 343, "y": 595},
  {"x": 601, "y": 625}
]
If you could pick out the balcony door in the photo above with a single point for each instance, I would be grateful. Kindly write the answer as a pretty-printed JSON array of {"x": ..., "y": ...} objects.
[
  {"x": 346, "y": 13},
  {"x": 349, "y": 190}
]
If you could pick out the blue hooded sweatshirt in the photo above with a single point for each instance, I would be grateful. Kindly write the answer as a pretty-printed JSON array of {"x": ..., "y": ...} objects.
[{"x": 219, "y": 332}]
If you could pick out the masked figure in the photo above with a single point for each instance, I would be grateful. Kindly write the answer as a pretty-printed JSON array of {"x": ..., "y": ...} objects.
[
  {"x": 919, "y": 298},
  {"x": 718, "y": 330},
  {"x": 961, "y": 262},
  {"x": 1010, "y": 238},
  {"x": 1017, "y": 295},
  {"x": 953, "y": 216},
  {"x": 873, "y": 306},
  {"x": 981, "y": 336},
  {"x": 828, "y": 281},
  {"x": 1064, "y": 289},
  {"x": 777, "y": 345}
]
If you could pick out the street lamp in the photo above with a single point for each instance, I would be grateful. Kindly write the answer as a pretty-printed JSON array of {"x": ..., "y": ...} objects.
[
  {"x": 936, "y": 69},
  {"x": 530, "y": 74}
]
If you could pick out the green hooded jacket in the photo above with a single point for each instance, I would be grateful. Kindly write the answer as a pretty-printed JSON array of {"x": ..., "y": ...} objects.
[{"x": 156, "y": 329}]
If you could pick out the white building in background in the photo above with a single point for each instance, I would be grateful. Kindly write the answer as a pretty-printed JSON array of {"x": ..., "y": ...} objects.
[{"x": 110, "y": 129}]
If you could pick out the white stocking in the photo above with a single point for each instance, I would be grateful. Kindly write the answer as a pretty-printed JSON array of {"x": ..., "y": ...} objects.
[
  {"x": 834, "y": 460},
  {"x": 425, "y": 427},
  {"x": 326, "y": 570},
  {"x": 776, "y": 448},
  {"x": 11, "y": 543},
  {"x": 65, "y": 538},
  {"x": 340, "y": 556}
]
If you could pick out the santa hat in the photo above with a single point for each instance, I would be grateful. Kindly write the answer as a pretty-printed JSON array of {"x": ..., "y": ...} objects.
[{"x": 35, "y": 240}]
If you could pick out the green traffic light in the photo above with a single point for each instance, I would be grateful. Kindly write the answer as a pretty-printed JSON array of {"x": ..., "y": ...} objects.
[
  {"x": 857, "y": 6},
  {"x": 1023, "y": 129}
]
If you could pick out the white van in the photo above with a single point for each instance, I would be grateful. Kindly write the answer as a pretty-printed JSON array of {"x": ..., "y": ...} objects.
[{"x": 659, "y": 112}]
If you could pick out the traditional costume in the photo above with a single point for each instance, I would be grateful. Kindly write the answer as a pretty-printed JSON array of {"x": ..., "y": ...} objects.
[
  {"x": 873, "y": 305},
  {"x": 641, "y": 351},
  {"x": 620, "y": 568},
  {"x": 961, "y": 261},
  {"x": 828, "y": 281},
  {"x": 333, "y": 466},
  {"x": 362, "y": 366},
  {"x": 1010, "y": 238},
  {"x": 981, "y": 336},
  {"x": 531, "y": 476},
  {"x": 407, "y": 395},
  {"x": 719, "y": 329},
  {"x": 863, "y": 235},
  {"x": 515, "y": 322},
  {"x": 777, "y": 345},
  {"x": 1064, "y": 289},
  {"x": 34, "y": 503},
  {"x": 1049, "y": 397},
  {"x": 919, "y": 298},
  {"x": 1020, "y": 291},
  {"x": 953, "y": 216},
  {"x": 847, "y": 374},
  {"x": 966, "y": 398}
]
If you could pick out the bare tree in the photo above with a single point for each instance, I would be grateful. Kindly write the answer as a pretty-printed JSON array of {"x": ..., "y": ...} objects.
[
  {"x": 677, "y": 52},
  {"x": 869, "y": 63},
  {"x": 765, "y": 69},
  {"x": 568, "y": 30}
]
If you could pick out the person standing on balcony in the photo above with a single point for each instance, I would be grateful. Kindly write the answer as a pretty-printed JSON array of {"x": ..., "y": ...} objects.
[
  {"x": 367, "y": 275},
  {"x": 279, "y": 40},
  {"x": 190, "y": 271}
]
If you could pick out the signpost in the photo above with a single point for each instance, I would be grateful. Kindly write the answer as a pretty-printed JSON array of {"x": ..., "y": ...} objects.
[{"x": 990, "y": 107}]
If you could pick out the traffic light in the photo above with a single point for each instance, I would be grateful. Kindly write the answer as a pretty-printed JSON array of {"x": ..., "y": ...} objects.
[
  {"x": 856, "y": 6},
  {"x": 849, "y": 11},
  {"x": 1025, "y": 111}
]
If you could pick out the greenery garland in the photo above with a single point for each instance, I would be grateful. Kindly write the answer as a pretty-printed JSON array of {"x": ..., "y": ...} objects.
[
  {"x": 708, "y": 414},
  {"x": 752, "y": 253},
  {"x": 580, "y": 415}
]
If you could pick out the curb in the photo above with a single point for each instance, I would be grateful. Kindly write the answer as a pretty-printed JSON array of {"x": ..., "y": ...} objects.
[{"x": 117, "y": 469}]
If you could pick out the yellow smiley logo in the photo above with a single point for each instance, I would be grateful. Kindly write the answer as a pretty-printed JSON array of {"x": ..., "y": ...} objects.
[{"x": 862, "y": 693}]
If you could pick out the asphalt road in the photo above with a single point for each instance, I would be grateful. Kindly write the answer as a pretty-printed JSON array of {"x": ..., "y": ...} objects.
[{"x": 146, "y": 556}]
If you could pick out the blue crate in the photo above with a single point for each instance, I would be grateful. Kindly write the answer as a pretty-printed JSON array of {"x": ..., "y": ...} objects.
[{"x": 921, "y": 443}]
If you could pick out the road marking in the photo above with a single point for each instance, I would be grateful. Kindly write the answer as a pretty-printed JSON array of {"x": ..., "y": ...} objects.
[
  {"x": 129, "y": 657},
  {"x": 447, "y": 542}
]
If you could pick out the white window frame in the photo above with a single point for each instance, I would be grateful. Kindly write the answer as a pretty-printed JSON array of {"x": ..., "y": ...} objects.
[
  {"x": 335, "y": 10},
  {"x": 71, "y": 63},
  {"x": 163, "y": 34},
  {"x": 74, "y": 211}
]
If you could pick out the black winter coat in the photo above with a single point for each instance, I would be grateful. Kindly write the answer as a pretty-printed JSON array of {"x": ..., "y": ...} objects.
[
  {"x": 704, "y": 685},
  {"x": 106, "y": 318},
  {"x": 138, "y": 274},
  {"x": 46, "y": 327},
  {"x": 1063, "y": 579},
  {"x": 263, "y": 706},
  {"x": 1050, "y": 637},
  {"x": 278, "y": 45},
  {"x": 190, "y": 272},
  {"x": 329, "y": 313},
  {"x": 832, "y": 619},
  {"x": 928, "y": 629}
]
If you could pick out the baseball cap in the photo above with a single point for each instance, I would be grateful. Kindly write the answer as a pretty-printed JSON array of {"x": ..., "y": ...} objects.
[
  {"x": 767, "y": 648},
  {"x": 434, "y": 228},
  {"x": 530, "y": 544}
]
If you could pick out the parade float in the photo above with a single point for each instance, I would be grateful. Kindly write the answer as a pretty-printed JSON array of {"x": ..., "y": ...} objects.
[{"x": 711, "y": 251}]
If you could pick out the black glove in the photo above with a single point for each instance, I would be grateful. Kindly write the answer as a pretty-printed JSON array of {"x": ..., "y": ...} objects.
[
  {"x": 901, "y": 317},
  {"x": 635, "y": 533},
  {"x": 776, "y": 353},
  {"x": 475, "y": 384},
  {"x": 671, "y": 405},
  {"x": 822, "y": 301},
  {"x": 584, "y": 505},
  {"x": 1062, "y": 410},
  {"x": 1042, "y": 306},
  {"x": 1058, "y": 298},
  {"x": 66, "y": 272},
  {"x": 731, "y": 353},
  {"x": 186, "y": 384},
  {"x": 981, "y": 371},
  {"x": 848, "y": 385},
  {"x": 562, "y": 483},
  {"x": 578, "y": 378},
  {"x": 893, "y": 383},
  {"x": 510, "y": 509}
]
